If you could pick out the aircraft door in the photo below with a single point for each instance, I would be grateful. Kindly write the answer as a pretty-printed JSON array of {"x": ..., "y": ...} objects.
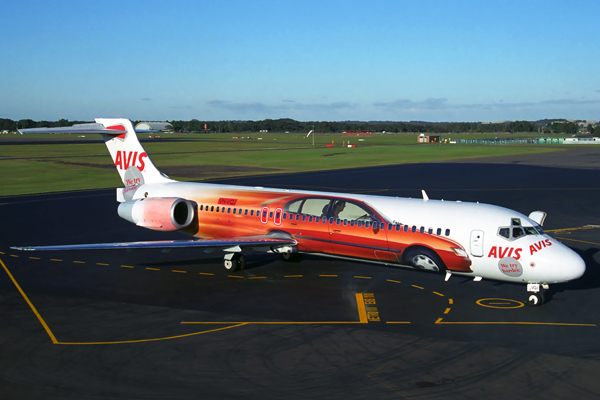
[{"x": 477, "y": 243}]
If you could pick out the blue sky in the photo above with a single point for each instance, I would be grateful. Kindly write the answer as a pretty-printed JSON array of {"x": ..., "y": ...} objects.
[{"x": 306, "y": 60}]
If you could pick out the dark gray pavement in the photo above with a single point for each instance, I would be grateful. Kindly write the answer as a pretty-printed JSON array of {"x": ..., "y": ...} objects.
[{"x": 154, "y": 325}]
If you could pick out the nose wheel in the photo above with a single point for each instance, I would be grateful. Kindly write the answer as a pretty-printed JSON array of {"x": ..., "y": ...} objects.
[{"x": 535, "y": 297}]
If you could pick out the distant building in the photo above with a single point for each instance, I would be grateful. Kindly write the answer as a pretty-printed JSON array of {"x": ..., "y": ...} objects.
[
  {"x": 582, "y": 140},
  {"x": 155, "y": 126},
  {"x": 428, "y": 138}
]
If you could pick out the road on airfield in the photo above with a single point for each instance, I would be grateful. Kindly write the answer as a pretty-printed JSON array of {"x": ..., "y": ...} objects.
[{"x": 148, "y": 324}]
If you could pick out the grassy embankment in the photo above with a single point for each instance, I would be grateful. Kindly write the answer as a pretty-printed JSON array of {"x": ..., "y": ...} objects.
[{"x": 60, "y": 167}]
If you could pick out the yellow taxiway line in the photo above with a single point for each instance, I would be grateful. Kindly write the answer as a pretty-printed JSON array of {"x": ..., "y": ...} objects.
[
  {"x": 37, "y": 314},
  {"x": 439, "y": 321}
]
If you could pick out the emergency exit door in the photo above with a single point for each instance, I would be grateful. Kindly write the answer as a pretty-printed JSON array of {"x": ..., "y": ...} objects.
[{"x": 477, "y": 243}]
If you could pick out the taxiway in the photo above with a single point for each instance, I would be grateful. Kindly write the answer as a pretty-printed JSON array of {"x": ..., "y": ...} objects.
[{"x": 148, "y": 324}]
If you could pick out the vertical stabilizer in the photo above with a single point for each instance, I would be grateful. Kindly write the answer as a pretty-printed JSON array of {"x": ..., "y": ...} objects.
[{"x": 130, "y": 158}]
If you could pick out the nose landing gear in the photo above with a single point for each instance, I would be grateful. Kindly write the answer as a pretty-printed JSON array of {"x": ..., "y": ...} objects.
[{"x": 536, "y": 297}]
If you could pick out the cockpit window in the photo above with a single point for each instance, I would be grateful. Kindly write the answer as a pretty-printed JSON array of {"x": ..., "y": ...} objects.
[
  {"x": 530, "y": 230},
  {"x": 516, "y": 232}
]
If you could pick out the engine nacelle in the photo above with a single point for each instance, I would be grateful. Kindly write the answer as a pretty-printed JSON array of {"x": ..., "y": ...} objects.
[{"x": 159, "y": 213}]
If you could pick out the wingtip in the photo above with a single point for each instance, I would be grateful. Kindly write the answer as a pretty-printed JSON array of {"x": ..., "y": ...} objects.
[{"x": 21, "y": 248}]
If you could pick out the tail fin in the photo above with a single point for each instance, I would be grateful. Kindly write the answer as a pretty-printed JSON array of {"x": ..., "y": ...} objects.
[{"x": 130, "y": 158}]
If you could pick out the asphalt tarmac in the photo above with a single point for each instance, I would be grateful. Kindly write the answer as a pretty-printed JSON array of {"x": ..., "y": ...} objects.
[{"x": 151, "y": 325}]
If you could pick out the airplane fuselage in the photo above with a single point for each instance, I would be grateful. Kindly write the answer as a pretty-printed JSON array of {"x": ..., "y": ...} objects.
[{"x": 471, "y": 239}]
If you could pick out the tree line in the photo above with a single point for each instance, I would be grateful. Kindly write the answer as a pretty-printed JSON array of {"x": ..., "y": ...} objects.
[{"x": 290, "y": 125}]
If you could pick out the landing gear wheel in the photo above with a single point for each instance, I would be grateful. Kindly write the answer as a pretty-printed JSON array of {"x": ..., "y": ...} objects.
[
  {"x": 424, "y": 259},
  {"x": 237, "y": 262},
  {"x": 535, "y": 299},
  {"x": 291, "y": 257}
]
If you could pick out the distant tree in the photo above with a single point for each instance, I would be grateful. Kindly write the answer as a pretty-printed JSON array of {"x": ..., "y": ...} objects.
[
  {"x": 27, "y": 123},
  {"x": 7, "y": 124},
  {"x": 520, "y": 126},
  {"x": 563, "y": 127}
]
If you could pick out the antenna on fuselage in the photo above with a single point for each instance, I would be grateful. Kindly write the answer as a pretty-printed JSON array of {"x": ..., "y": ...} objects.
[{"x": 425, "y": 197}]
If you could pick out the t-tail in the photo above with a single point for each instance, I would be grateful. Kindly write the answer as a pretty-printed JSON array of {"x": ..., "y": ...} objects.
[{"x": 131, "y": 160}]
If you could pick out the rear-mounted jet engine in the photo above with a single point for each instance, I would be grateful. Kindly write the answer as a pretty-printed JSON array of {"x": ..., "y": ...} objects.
[{"x": 159, "y": 213}]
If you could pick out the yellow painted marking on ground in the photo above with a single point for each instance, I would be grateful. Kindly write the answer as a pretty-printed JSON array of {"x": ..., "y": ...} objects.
[
  {"x": 101, "y": 264},
  {"x": 390, "y": 280},
  {"x": 236, "y": 324},
  {"x": 329, "y": 276},
  {"x": 579, "y": 241},
  {"x": 39, "y": 317},
  {"x": 293, "y": 276},
  {"x": 178, "y": 271},
  {"x": 362, "y": 311},
  {"x": 418, "y": 287},
  {"x": 271, "y": 322},
  {"x": 153, "y": 269},
  {"x": 55, "y": 259},
  {"x": 398, "y": 322},
  {"x": 494, "y": 303},
  {"x": 363, "y": 277},
  {"x": 1, "y": 252},
  {"x": 3, "y": 204},
  {"x": 235, "y": 276},
  {"x": 35, "y": 258},
  {"x": 127, "y": 266},
  {"x": 581, "y": 228},
  {"x": 79, "y": 262},
  {"x": 439, "y": 294},
  {"x": 447, "y": 311},
  {"x": 450, "y": 301},
  {"x": 12, "y": 255},
  {"x": 257, "y": 277},
  {"x": 206, "y": 273},
  {"x": 439, "y": 321}
]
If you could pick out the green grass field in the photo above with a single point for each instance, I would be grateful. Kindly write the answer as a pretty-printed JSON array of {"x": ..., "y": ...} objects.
[{"x": 39, "y": 168}]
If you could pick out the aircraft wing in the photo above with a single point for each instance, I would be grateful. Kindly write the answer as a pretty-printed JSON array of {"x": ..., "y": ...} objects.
[{"x": 225, "y": 244}]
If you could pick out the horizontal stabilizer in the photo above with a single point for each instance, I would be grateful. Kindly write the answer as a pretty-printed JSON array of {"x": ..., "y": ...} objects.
[{"x": 81, "y": 128}]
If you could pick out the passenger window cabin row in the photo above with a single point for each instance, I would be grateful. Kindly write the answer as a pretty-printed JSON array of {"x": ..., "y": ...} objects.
[{"x": 366, "y": 223}]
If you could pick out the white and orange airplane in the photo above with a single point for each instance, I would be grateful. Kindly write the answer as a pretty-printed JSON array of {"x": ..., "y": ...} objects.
[{"x": 467, "y": 239}]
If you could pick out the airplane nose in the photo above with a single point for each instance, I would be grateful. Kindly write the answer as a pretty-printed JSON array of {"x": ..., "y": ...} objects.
[{"x": 572, "y": 266}]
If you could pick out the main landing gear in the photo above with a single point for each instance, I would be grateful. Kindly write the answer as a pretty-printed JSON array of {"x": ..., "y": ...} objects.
[
  {"x": 536, "y": 297},
  {"x": 234, "y": 261}
]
